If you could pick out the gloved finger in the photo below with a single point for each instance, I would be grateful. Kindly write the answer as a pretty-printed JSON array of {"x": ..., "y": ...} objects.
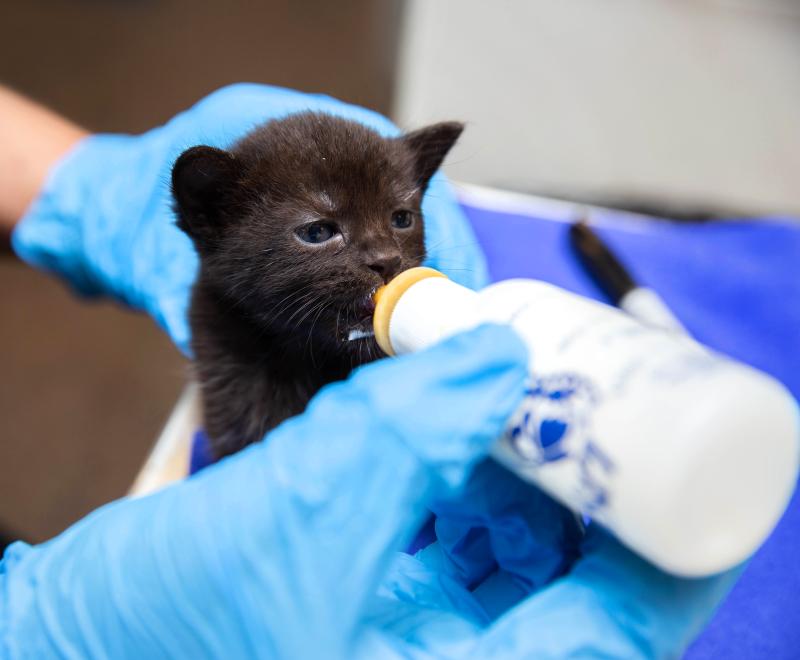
[
  {"x": 501, "y": 523},
  {"x": 612, "y": 604}
]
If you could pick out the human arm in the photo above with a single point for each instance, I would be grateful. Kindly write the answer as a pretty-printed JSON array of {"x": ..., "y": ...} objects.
[{"x": 33, "y": 139}]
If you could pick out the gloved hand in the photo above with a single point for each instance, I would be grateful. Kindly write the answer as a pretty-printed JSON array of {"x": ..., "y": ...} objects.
[
  {"x": 104, "y": 220},
  {"x": 288, "y": 549}
]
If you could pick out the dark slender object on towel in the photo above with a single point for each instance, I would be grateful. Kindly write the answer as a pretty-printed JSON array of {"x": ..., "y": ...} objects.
[
  {"x": 603, "y": 266},
  {"x": 613, "y": 278}
]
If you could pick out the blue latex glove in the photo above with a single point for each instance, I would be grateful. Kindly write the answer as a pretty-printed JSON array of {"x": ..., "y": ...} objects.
[
  {"x": 289, "y": 548},
  {"x": 104, "y": 221}
]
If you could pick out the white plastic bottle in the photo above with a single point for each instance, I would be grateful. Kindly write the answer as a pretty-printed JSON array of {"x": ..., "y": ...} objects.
[{"x": 688, "y": 457}]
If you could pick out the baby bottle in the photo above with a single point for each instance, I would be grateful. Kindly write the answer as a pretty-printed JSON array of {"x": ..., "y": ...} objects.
[{"x": 689, "y": 457}]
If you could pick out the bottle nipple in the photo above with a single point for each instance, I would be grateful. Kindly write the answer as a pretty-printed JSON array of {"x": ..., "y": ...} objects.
[{"x": 386, "y": 298}]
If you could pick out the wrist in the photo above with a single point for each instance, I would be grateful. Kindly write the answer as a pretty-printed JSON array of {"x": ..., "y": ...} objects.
[{"x": 34, "y": 139}]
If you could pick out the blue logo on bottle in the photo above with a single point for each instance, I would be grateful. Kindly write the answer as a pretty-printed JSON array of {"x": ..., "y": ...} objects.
[
  {"x": 554, "y": 416},
  {"x": 553, "y": 424}
]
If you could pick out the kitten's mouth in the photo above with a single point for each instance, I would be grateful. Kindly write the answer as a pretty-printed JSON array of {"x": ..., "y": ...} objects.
[{"x": 362, "y": 327}]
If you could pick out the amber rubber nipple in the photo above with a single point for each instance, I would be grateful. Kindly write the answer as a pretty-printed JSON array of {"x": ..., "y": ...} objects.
[{"x": 386, "y": 298}]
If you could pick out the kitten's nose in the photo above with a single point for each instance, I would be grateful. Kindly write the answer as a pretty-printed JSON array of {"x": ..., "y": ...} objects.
[{"x": 385, "y": 264}]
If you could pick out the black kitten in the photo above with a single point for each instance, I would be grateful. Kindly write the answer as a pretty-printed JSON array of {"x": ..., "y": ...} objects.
[{"x": 296, "y": 226}]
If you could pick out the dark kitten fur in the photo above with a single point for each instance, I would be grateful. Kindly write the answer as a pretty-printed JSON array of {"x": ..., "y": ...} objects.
[{"x": 295, "y": 226}]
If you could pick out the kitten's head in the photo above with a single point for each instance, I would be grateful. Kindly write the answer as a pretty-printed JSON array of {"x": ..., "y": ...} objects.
[{"x": 300, "y": 222}]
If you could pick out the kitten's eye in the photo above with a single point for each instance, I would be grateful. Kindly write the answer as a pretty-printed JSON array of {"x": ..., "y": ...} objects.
[
  {"x": 317, "y": 232},
  {"x": 402, "y": 219}
]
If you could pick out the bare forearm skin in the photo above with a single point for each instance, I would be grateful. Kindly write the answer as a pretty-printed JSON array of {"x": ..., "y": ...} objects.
[{"x": 32, "y": 140}]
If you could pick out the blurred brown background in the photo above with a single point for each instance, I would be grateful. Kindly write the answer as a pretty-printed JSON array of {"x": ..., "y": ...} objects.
[{"x": 85, "y": 387}]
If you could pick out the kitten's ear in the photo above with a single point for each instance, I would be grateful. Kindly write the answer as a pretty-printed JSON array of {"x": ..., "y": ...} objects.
[
  {"x": 203, "y": 179},
  {"x": 430, "y": 145}
]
